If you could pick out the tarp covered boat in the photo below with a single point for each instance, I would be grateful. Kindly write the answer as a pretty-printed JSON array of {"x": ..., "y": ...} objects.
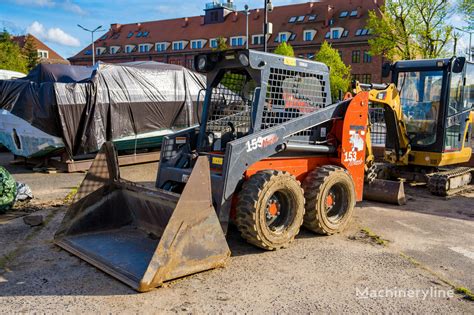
[{"x": 79, "y": 108}]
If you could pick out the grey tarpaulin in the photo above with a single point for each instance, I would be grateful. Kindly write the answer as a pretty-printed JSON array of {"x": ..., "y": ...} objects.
[{"x": 88, "y": 106}]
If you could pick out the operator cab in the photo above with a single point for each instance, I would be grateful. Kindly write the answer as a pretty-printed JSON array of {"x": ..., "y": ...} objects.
[{"x": 437, "y": 96}]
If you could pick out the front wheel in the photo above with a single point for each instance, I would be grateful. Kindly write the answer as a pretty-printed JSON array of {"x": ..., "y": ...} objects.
[
  {"x": 330, "y": 199},
  {"x": 270, "y": 209}
]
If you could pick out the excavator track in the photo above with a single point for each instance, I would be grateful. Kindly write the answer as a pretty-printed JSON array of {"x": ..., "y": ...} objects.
[{"x": 449, "y": 182}]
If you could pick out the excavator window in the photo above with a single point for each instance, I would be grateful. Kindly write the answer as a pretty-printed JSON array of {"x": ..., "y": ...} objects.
[{"x": 420, "y": 96}]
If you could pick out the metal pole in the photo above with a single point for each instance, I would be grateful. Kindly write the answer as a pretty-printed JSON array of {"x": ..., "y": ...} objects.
[
  {"x": 247, "y": 26},
  {"x": 470, "y": 46},
  {"x": 265, "y": 27},
  {"x": 93, "y": 49}
]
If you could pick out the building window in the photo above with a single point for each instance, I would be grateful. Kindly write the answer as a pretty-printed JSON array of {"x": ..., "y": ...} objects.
[
  {"x": 292, "y": 19},
  {"x": 343, "y": 14},
  {"x": 129, "y": 49},
  {"x": 213, "y": 43},
  {"x": 335, "y": 34},
  {"x": 301, "y": 18},
  {"x": 328, "y": 35},
  {"x": 178, "y": 46},
  {"x": 104, "y": 37},
  {"x": 362, "y": 32},
  {"x": 366, "y": 78},
  {"x": 331, "y": 22},
  {"x": 214, "y": 16},
  {"x": 113, "y": 50},
  {"x": 312, "y": 18},
  {"x": 356, "y": 56},
  {"x": 310, "y": 56},
  {"x": 353, "y": 13},
  {"x": 130, "y": 35},
  {"x": 160, "y": 47},
  {"x": 345, "y": 33},
  {"x": 143, "y": 48},
  {"x": 145, "y": 34},
  {"x": 292, "y": 37},
  {"x": 309, "y": 35},
  {"x": 283, "y": 37},
  {"x": 367, "y": 57},
  {"x": 196, "y": 44},
  {"x": 237, "y": 41},
  {"x": 257, "y": 40},
  {"x": 43, "y": 54}
]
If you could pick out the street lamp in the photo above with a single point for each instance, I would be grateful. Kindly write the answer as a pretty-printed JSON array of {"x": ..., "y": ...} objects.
[
  {"x": 470, "y": 41},
  {"x": 97, "y": 29},
  {"x": 247, "y": 25},
  {"x": 268, "y": 8}
]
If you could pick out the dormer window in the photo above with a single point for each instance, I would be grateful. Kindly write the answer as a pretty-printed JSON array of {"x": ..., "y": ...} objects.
[
  {"x": 258, "y": 39},
  {"x": 143, "y": 48},
  {"x": 292, "y": 19},
  {"x": 312, "y": 18},
  {"x": 179, "y": 45},
  {"x": 198, "y": 43},
  {"x": 100, "y": 50},
  {"x": 336, "y": 32},
  {"x": 362, "y": 32},
  {"x": 130, "y": 34},
  {"x": 159, "y": 47},
  {"x": 237, "y": 41},
  {"x": 345, "y": 33},
  {"x": 129, "y": 49},
  {"x": 343, "y": 14},
  {"x": 43, "y": 54},
  {"x": 353, "y": 13},
  {"x": 309, "y": 35},
  {"x": 283, "y": 37},
  {"x": 328, "y": 35},
  {"x": 301, "y": 18},
  {"x": 114, "y": 49},
  {"x": 213, "y": 43}
]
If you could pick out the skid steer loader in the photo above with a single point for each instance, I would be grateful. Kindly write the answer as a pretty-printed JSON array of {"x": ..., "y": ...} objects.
[{"x": 271, "y": 153}]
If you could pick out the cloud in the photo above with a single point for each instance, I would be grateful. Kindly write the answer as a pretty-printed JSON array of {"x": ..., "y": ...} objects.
[
  {"x": 67, "y": 5},
  {"x": 53, "y": 35},
  {"x": 38, "y": 3}
]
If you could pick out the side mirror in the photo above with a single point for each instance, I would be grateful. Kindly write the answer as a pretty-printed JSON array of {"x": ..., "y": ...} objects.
[
  {"x": 458, "y": 64},
  {"x": 386, "y": 68}
]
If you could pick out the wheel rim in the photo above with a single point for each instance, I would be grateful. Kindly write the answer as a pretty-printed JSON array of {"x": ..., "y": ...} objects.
[
  {"x": 336, "y": 203},
  {"x": 278, "y": 212}
]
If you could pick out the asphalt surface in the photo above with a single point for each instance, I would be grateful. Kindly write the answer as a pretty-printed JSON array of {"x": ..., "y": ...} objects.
[{"x": 429, "y": 250}]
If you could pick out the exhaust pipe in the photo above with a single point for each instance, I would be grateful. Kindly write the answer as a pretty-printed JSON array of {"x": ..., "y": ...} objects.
[{"x": 143, "y": 237}]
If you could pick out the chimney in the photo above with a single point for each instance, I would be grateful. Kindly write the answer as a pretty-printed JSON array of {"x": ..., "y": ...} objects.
[
  {"x": 235, "y": 17},
  {"x": 115, "y": 28},
  {"x": 310, "y": 7},
  {"x": 359, "y": 11},
  {"x": 256, "y": 14},
  {"x": 329, "y": 15},
  {"x": 185, "y": 22}
]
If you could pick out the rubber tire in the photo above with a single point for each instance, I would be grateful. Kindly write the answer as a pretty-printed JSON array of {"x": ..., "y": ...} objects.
[
  {"x": 250, "y": 217},
  {"x": 316, "y": 186}
]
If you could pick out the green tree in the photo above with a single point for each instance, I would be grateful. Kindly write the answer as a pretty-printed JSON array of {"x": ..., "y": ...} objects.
[
  {"x": 466, "y": 8},
  {"x": 284, "y": 49},
  {"x": 339, "y": 73},
  {"x": 410, "y": 29},
  {"x": 30, "y": 52},
  {"x": 11, "y": 57},
  {"x": 221, "y": 44}
]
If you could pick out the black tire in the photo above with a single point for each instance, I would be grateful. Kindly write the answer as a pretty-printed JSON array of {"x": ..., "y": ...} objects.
[
  {"x": 255, "y": 220},
  {"x": 321, "y": 184}
]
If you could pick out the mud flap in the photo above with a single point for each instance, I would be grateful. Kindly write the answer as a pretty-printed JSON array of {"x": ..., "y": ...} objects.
[
  {"x": 141, "y": 236},
  {"x": 386, "y": 191}
]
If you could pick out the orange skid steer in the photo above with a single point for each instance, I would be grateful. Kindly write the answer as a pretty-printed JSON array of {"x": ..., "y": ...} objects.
[{"x": 271, "y": 153}]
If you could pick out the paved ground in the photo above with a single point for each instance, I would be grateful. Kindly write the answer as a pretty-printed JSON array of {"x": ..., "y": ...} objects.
[{"x": 430, "y": 248}]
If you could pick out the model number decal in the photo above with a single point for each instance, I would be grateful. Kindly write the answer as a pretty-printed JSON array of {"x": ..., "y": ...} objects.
[{"x": 261, "y": 142}]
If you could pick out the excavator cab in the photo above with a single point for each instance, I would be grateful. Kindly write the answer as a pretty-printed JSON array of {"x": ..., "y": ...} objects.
[{"x": 437, "y": 98}]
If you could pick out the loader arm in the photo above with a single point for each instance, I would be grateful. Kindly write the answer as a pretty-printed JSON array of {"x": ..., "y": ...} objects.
[{"x": 397, "y": 142}]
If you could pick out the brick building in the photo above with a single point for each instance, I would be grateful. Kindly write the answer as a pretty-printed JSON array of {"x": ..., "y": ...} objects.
[
  {"x": 305, "y": 26},
  {"x": 45, "y": 54}
]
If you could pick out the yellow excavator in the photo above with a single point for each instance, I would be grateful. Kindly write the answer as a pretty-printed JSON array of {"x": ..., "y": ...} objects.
[{"x": 428, "y": 116}]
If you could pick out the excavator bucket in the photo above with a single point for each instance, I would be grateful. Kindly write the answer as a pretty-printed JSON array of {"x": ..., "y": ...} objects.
[
  {"x": 386, "y": 191},
  {"x": 141, "y": 236}
]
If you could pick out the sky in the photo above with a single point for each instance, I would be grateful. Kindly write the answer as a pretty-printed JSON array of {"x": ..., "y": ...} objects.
[{"x": 55, "y": 22}]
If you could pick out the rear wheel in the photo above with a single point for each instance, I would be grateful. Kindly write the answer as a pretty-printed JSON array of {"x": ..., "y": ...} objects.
[
  {"x": 330, "y": 199},
  {"x": 270, "y": 209}
]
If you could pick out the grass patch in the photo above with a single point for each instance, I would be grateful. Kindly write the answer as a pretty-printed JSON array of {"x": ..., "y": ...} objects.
[
  {"x": 70, "y": 196},
  {"x": 374, "y": 237},
  {"x": 468, "y": 295}
]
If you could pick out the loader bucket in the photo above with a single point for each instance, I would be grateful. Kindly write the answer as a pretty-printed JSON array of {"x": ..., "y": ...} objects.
[
  {"x": 386, "y": 191},
  {"x": 143, "y": 236}
]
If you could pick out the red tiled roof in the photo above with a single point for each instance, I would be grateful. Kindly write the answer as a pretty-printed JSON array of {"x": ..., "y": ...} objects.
[
  {"x": 235, "y": 24},
  {"x": 21, "y": 40}
]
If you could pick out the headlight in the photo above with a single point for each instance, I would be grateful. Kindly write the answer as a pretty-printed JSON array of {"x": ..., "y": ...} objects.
[
  {"x": 202, "y": 63},
  {"x": 244, "y": 60}
]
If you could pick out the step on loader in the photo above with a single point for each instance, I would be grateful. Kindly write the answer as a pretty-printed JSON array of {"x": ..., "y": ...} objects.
[{"x": 271, "y": 153}]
